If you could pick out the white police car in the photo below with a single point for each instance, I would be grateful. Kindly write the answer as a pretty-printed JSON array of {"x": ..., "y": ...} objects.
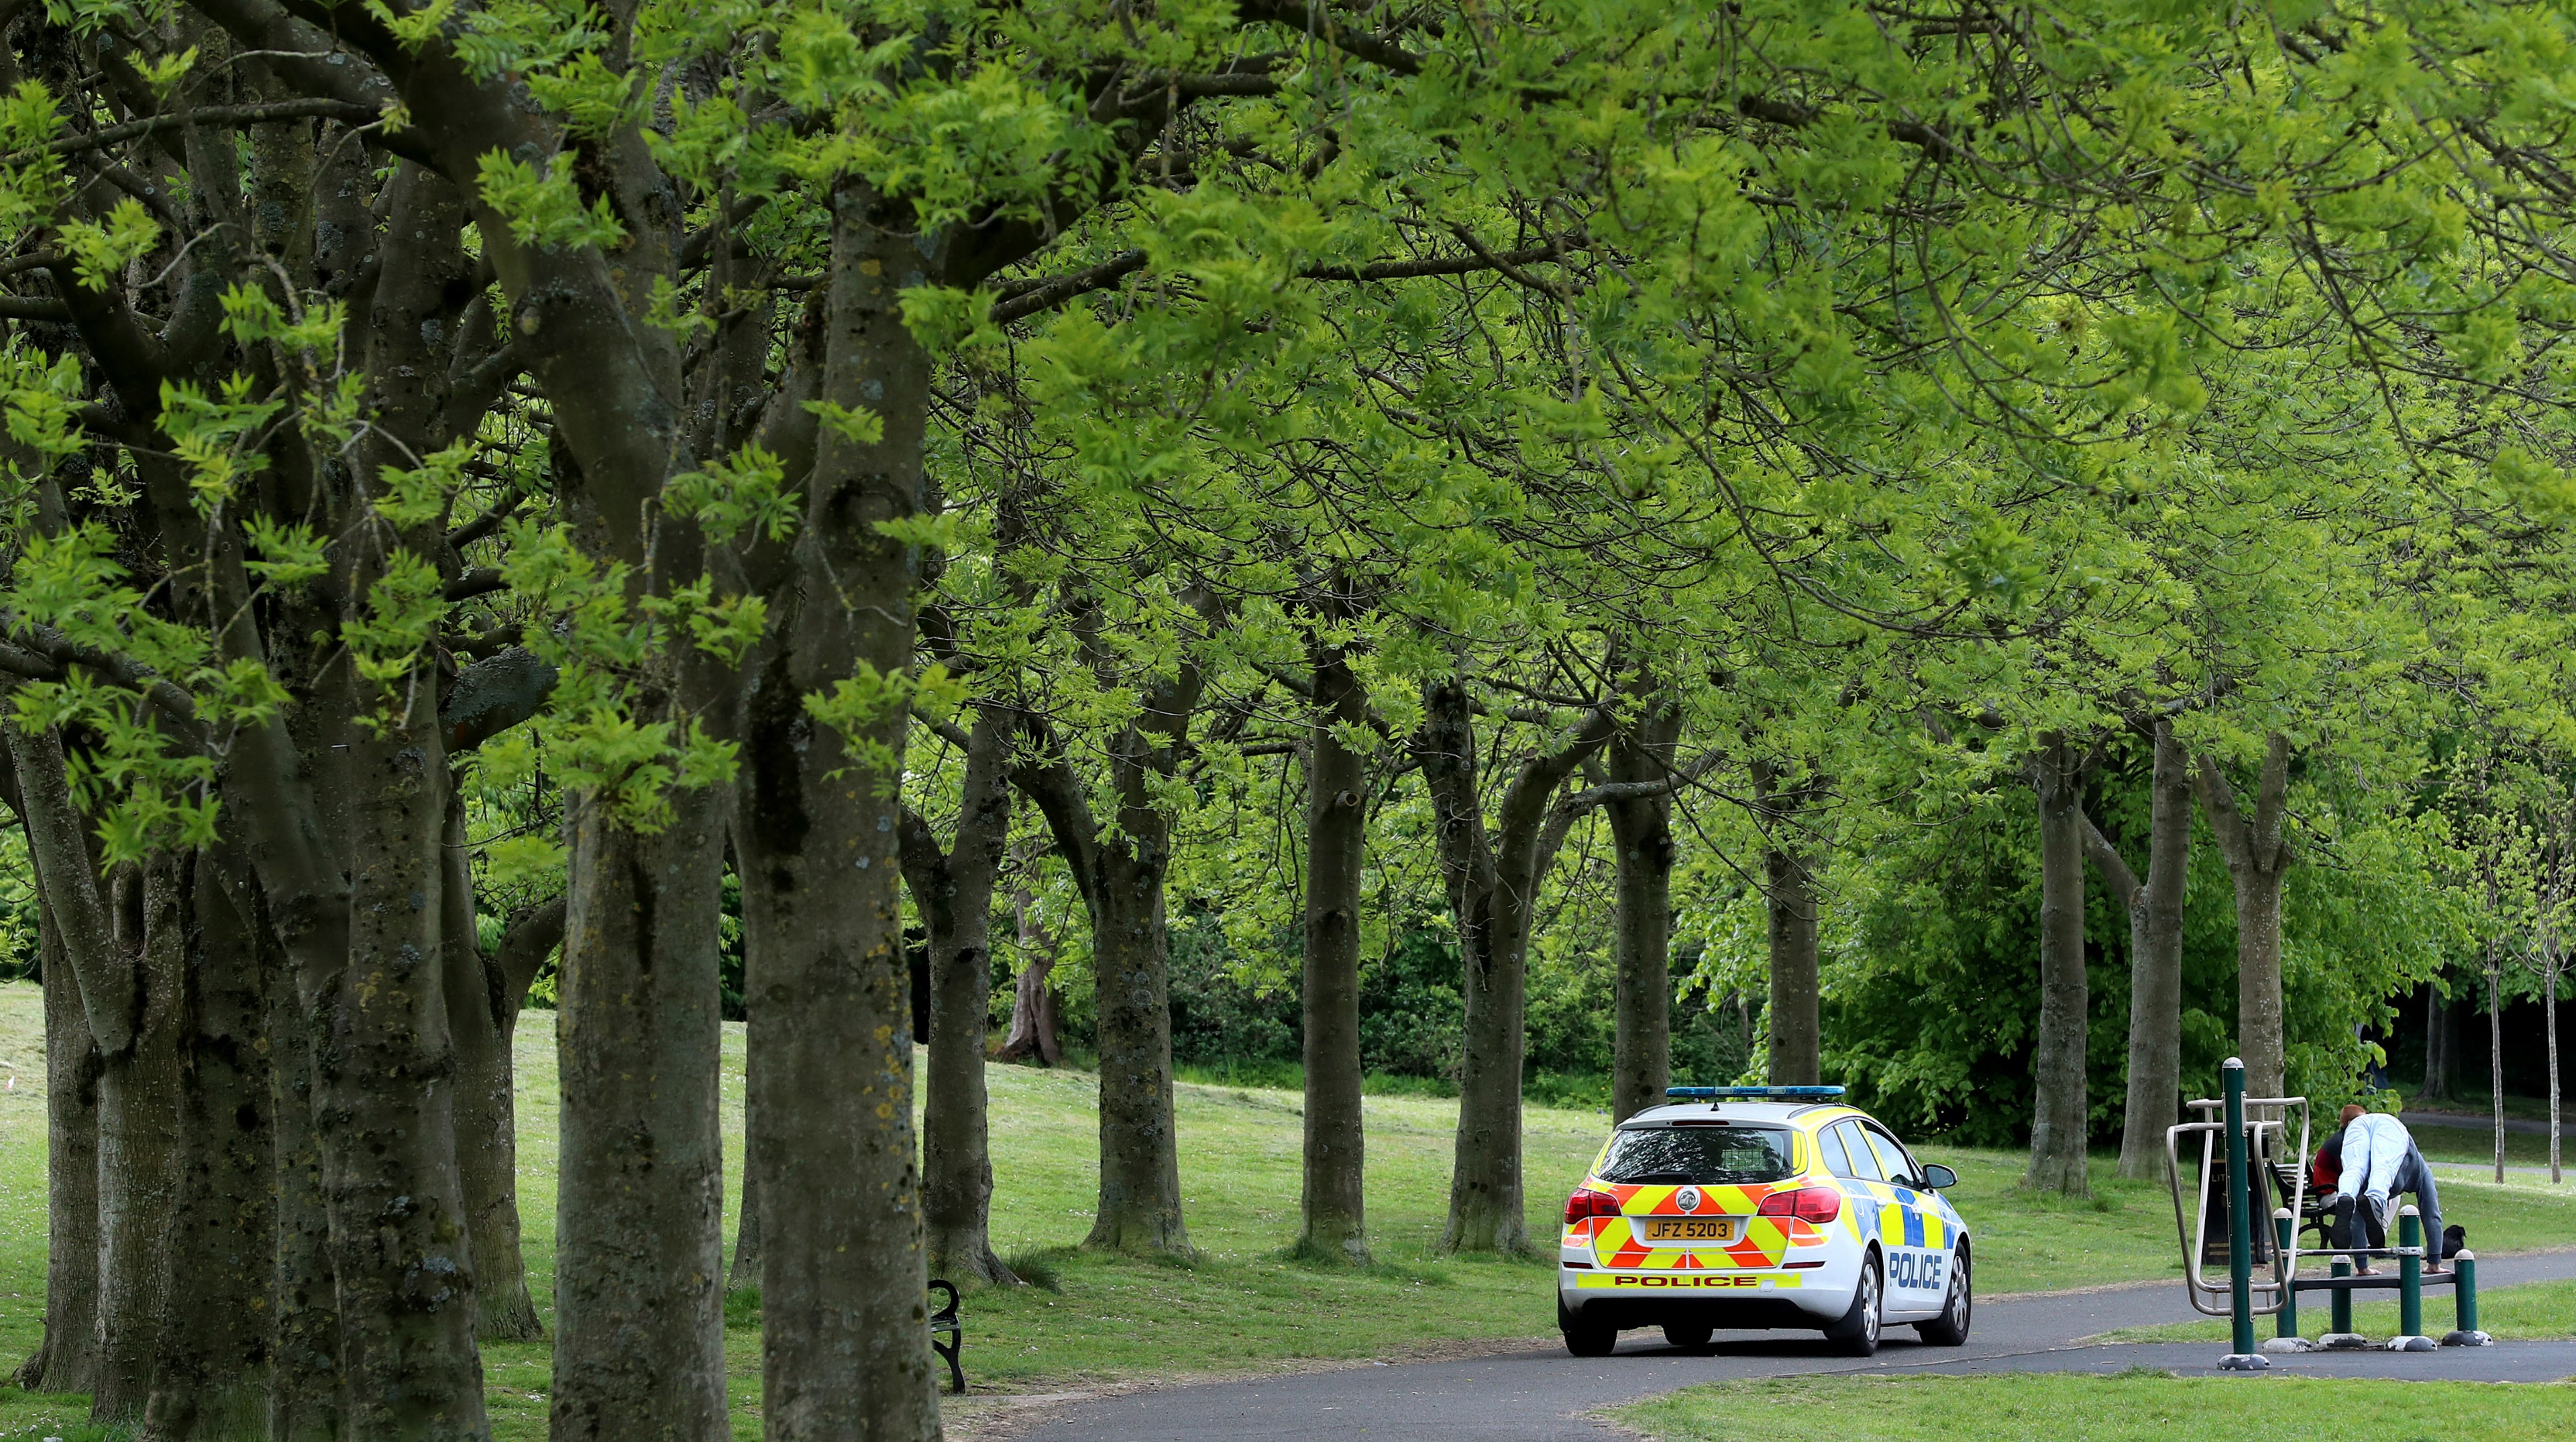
[{"x": 1760, "y": 1207}]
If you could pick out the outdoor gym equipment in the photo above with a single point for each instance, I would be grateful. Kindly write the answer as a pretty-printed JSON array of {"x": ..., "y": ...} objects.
[{"x": 2234, "y": 1188}]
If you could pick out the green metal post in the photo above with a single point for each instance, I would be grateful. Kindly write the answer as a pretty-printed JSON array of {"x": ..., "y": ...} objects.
[
  {"x": 2240, "y": 1228},
  {"x": 2410, "y": 1275},
  {"x": 2464, "y": 1289},
  {"x": 2285, "y": 1233},
  {"x": 2341, "y": 1308}
]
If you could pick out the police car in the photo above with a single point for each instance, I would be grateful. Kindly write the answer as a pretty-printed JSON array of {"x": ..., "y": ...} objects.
[{"x": 1760, "y": 1207}]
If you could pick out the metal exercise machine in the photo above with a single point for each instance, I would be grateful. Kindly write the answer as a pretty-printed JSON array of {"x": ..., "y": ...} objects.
[{"x": 2234, "y": 1187}]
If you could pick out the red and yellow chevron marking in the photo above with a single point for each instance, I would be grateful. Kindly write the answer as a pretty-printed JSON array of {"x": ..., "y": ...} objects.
[{"x": 1761, "y": 1243}]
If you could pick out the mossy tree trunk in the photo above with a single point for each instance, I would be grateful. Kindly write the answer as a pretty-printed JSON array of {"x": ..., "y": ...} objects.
[
  {"x": 2153, "y": 907},
  {"x": 1641, "y": 922},
  {"x": 2259, "y": 856},
  {"x": 952, "y": 891},
  {"x": 1332, "y": 1202},
  {"x": 1492, "y": 874},
  {"x": 2060, "y": 1122}
]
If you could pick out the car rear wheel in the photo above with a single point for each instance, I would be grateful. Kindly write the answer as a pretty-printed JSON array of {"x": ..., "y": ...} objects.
[
  {"x": 1950, "y": 1329},
  {"x": 1689, "y": 1336},
  {"x": 1856, "y": 1334},
  {"x": 1585, "y": 1339}
]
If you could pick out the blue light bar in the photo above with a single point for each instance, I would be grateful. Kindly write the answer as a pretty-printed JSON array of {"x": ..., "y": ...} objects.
[{"x": 1753, "y": 1093}]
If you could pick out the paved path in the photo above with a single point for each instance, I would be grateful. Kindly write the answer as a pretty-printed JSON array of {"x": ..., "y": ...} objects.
[
  {"x": 1540, "y": 1394},
  {"x": 2467, "y": 1122}
]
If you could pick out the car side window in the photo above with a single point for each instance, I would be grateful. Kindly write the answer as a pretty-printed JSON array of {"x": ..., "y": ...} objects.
[
  {"x": 1830, "y": 1142},
  {"x": 1891, "y": 1157},
  {"x": 1864, "y": 1165}
]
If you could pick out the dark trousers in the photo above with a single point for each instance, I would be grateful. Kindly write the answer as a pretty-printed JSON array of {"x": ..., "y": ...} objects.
[{"x": 2357, "y": 1224}]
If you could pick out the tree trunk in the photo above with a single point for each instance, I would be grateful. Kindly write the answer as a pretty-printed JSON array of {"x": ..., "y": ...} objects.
[
  {"x": 1032, "y": 1032},
  {"x": 68, "y": 1358},
  {"x": 745, "y": 1276},
  {"x": 1140, "y": 1172},
  {"x": 2258, "y": 981},
  {"x": 2549, "y": 1015},
  {"x": 140, "y": 1096},
  {"x": 746, "y": 1232},
  {"x": 2061, "y": 1120},
  {"x": 952, "y": 891},
  {"x": 127, "y": 962},
  {"x": 2438, "y": 1026},
  {"x": 1334, "y": 1223},
  {"x": 2495, "y": 1057},
  {"x": 1797, "y": 1056},
  {"x": 384, "y": 1102},
  {"x": 211, "y": 1371},
  {"x": 487, "y": 1143},
  {"x": 2154, "y": 911},
  {"x": 1641, "y": 829},
  {"x": 2258, "y": 858},
  {"x": 844, "y": 1347},
  {"x": 1121, "y": 880},
  {"x": 639, "y": 1249},
  {"x": 1492, "y": 880},
  {"x": 306, "y": 1400}
]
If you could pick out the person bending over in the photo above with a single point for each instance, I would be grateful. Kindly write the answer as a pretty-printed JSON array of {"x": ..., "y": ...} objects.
[{"x": 2379, "y": 1160}]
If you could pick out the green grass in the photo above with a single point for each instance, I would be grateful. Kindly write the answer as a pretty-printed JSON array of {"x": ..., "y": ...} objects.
[
  {"x": 2449, "y": 1145},
  {"x": 2544, "y": 1311},
  {"x": 2139, "y": 1406},
  {"x": 1242, "y": 1306}
]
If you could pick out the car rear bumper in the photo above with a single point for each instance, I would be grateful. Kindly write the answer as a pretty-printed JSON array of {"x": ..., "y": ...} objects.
[{"x": 1767, "y": 1297}]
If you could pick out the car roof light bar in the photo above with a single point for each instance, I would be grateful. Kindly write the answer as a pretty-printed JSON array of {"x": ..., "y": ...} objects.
[{"x": 1752, "y": 1093}]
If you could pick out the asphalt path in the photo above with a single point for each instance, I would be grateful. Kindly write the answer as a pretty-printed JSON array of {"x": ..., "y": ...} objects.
[{"x": 1539, "y": 1395}]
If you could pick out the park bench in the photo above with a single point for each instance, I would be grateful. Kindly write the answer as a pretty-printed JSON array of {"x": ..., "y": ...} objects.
[
  {"x": 2316, "y": 1208},
  {"x": 943, "y": 1322}
]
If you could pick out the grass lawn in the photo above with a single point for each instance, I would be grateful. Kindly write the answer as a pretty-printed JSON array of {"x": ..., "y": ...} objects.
[
  {"x": 2533, "y": 1311},
  {"x": 2448, "y": 1145},
  {"x": 1240, "y": 1307},
  {"x": 2134, "y": 1407}
]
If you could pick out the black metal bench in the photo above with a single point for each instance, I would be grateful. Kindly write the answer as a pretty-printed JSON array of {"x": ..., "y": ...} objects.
[{"x": 943, "y": 1322}]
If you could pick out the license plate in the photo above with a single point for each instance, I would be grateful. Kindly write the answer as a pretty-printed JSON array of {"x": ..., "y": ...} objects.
[{"x": 1690, "y": 1229}]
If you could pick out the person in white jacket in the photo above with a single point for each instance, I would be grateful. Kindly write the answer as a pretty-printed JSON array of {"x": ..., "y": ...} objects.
[{"x": 2380, "y": 1159}]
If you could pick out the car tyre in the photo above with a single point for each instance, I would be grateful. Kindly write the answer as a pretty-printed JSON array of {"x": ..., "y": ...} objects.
[
  {"x": 1950, "y": 1329},
  {"x": 1689, "y": 1336},
  {"x": 1856, "y": 1334},
  {"x": 1582, "y": 1338}
]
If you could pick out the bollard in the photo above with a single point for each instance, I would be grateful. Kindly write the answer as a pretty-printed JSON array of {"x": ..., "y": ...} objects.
[
  {"x": 2340, "y": 1337},
  {"x": 2410, "y": 1284},
  {"x": 2240, "y": 1231},
  {"x": 2285, "y": 1235},
  {"x": 2464, "y": 1300}
]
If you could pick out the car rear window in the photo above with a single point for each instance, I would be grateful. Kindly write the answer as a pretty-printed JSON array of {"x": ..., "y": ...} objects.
[{"x": 1701, "y": 1155}]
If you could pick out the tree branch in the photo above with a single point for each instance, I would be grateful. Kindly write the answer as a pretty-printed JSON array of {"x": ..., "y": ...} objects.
[
  {"x": 530, "y": 937},
  {"x": 493, "y": 695},
  {"x": 1054, "y": 291},
  {"x": 125, "y": 671},
  {"x": 310, "y": 108},
  {"x": 485, "y": 524},
  {"x": 2218, "y": 799},
  {"x": 1315, "y": 18},
  {"x": 2114, "y": 868},
  {"x": 481, "y": 581}
]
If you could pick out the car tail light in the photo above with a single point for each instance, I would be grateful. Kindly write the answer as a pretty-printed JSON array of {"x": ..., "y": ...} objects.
[
  {"x": 1807, "y": 1204},
  {"x": 1587, "y": 1204}
]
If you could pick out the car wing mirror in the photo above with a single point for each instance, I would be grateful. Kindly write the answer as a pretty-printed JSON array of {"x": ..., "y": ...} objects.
[{"x": 1937, "y": 1177}]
